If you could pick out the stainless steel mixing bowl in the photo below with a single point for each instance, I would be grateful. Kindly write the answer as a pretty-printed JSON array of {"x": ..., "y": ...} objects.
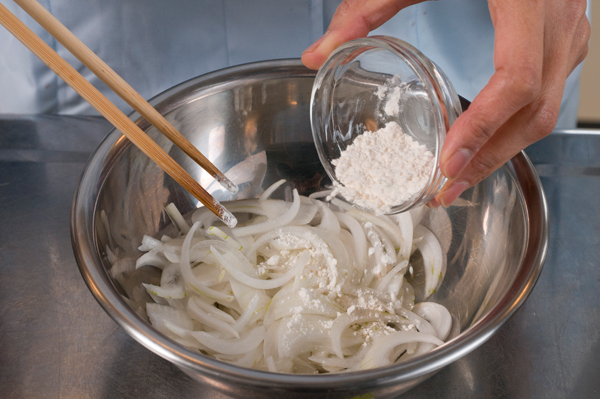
[{"x": 253, "y": 122}]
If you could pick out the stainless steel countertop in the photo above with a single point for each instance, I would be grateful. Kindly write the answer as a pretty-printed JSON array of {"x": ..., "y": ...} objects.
[{"x": 56, "y": 341}]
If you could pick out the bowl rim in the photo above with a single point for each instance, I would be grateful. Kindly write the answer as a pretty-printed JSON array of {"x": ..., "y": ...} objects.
[{"x": 83, "y": 238}]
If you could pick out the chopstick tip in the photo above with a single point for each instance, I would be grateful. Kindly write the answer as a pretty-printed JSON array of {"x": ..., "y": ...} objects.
[
  {"x": 226, "y": 183},
  {"x": 226, "y": 216}
]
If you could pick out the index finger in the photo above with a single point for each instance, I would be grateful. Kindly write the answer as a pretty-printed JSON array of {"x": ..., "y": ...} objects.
[
  {"x": 352, "y": 19},
  {"x": 518, "y": 60}
]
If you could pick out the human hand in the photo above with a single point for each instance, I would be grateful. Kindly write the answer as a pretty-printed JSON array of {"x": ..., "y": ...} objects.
[
  {"x": 352, "y": 19},
  {"x": 537, "y": 45}
]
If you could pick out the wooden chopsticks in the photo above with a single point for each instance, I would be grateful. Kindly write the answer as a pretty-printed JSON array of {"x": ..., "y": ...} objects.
[{"x": 108, "y": 109}]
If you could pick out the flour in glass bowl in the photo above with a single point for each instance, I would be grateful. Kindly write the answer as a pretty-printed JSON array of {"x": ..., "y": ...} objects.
[{"x": 382, "y": 169}]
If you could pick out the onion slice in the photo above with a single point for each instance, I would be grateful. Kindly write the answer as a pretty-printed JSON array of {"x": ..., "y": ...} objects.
[
  {"x": 177, "y": 218},
  {"x": 281, "y": 221},
  {"x": 383, "y": 283},
  {"x": 197, "y": 313},
  {"x": 405, "y": 224},
  {"x": 271, "y": 190},
  {"x": 362, "y": 315},
  {"x": 188, "y": 275},
  {"x": 433, "y": 263},
  {"x": 237, "y": 346},
  {"x": 230, "y": 265},
  {"x": 379, "y": 354},
  {"x": 437, "y": 315}
]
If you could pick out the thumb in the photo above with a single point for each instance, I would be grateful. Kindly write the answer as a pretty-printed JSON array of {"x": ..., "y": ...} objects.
[{"x": 352, "y": 19}]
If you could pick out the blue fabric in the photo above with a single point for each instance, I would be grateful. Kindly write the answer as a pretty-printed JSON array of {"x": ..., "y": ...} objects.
[{"x": 155, "y": 44}]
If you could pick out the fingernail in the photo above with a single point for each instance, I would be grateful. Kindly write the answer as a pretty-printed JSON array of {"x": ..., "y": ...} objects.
[
  {"x": 314, "y": 46},
  {"x": 457, "y": 163},
  {"x": 453, "y": 192},
  {"x": 433, "y": 204}
]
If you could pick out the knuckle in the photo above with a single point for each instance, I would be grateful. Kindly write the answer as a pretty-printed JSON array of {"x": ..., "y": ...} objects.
[
  {"x": 481, "y": 167},
  {"x": 481, "y": 131},
  {"x": 587, "y": 30},
  {"x": 351, "y": 11},
  {"x": 344, "y": 8},
  {"x": 525, "y": 82},
  {"x": 578, "y": 7},
  {"x": 580, "y": 43},
  {"x": 583, "y": 54},
  {"x": 545, "y": 121},
  {"x": 585, "y": 33},
  {"x": 574, "y": 22}
]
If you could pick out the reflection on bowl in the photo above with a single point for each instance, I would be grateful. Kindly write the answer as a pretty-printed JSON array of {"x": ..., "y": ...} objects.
[{"x": 253, "y": 122}]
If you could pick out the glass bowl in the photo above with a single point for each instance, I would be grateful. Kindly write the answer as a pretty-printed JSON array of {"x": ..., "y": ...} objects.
[{"x": 367, "y": 83}]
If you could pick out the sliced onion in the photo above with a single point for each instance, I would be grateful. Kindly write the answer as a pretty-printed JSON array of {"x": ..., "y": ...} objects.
[
  {"x": 208, "y": 274},
  {"x": 388, "y": 277},
  {"x": 271, "y": 364},
  {"x": 152, "y": 259},
  {"x": 360, "y": 239},
  {"x": 122, "y": 266},
  {"x": 362, "y": 315},
  {"x": 158, "y": 314},
  {"x": 197, "y": 313},
  {"x": 249, "y": 359},
  {"x": 270, "y": 346},
  {"x": 209, "y": 308},
  {"x": 405, "y": 224},
  {"x": 233, "y": 268},
  {"x": 342, "y": 363},
  {"x": 281, "y": 221},
  {"x": 149, "y": 243},
  {"x": 379, "y": 354},
  {"x": 338, "y": 268},
  {"x": 184, "y": 336},
  {"x": 320, "y": 194},
  {"x": 417, "y": 214},
  {"x": 245, "y": 317},
  {"x": 175, "y": 292},
  {"x": 379, "y": 262},
  {"x": 343, "y": 206},
  {"x": 275, "y": 208},
  {"x": 271, "y": 190},
  {"x": 244, "y": 295},
  {"x": 267, "y": 321},
  {"x": 240, "y": 260},
  {"x": 404, "y": 290},
  {"x": 215, "y": 231},
  {"x": 422, "y": 326},
  {"x": 433, "y": 263},
  {"x": 308, "y": 302},
  {"x": 314, "y": 333},
  {"x": 110, "y": 256},
  {"x": 437, "y": 315},
  {"x": 382, "y": 221},
  {"x": 190, "y": 278},
  {"x": 390, "y": 251},
  {"x": 329, "y": 221},
  {"x": 235, "y": 346},
  {"x": 177, "y": 218},
  {"x": 346, "y": 238}
]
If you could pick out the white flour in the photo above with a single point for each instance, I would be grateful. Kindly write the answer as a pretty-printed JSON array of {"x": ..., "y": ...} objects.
[
  {"x": 382, "y": 169},
  {"x": 390, "y": 94}
]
